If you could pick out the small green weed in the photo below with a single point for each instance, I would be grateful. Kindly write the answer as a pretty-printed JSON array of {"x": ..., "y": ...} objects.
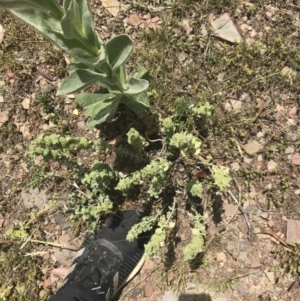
[
  {"x": 290, "y": 261},
  {"x": 48, "y": 108}
]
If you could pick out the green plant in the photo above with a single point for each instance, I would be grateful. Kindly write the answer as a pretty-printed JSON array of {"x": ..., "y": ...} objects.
[
  {"x": 291, "y": 260},
  {"x": 57, "y": 147},
  {"x": 203, "y": 110},
  {"x": 221, "y": 177},
  {"x": 198, "y": 235},
  {"x": 136, "y": 140},
  {"x": 145, "y": 225},
  {"x": 154, "y": 175},
  {"x": 48, "y": 107},
  {"x": 93, "y": 199},
  {"x": 187, "y": 143},
  {"x": 195, "y": 188},
  {"x": 169, "y": 127},
  {"x": 164, "y": 224},
  {"x": 97, "y": 63}
]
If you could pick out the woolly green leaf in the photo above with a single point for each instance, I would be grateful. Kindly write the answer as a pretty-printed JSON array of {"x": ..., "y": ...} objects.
[
  {"x": 100, "y": 107},
  {"x": 141, "y": 72},
  {"x": 118, "y": 50},
  {"x": 79, "y": 79},
  {"x": 137, "y": 103},
  {"x": 47, "y": 6},
  {"x": 136, "y": 86},
  {"x": 51, "y": 28}
]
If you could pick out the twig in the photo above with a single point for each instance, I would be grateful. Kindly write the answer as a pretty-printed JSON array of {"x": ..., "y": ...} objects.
[
  {"x": 52, "y": 244},
  {"x": 276, "y": 236},
  {"x": 239, "y": 148},
  {"x": 258, "y": 79},
  {"x": 243, "y": 212},
  {"x": 27, "y": 240},
  {"x": 244, "y": 275},
  {"x": 78, "y": 189},
  {"x": 156, "y": 140},
  {"x": 287, "y": 119}
]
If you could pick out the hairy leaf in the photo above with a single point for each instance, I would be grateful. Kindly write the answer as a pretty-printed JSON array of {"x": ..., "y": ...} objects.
[
  {"x": 77, "y": 23},
  {"x": 47, "y": 6},
  {"x": 141, "y": 72},
  {"x": 118, "y": 50},
  {"x": 136, "y": 86},
  {"x": 137, "y": 103},
  {"x": 79, "y": 79},
  {"x": 51, "y": 28},
  {"x": 100, "y": 107},
  {"x": 136, "y": 140}
]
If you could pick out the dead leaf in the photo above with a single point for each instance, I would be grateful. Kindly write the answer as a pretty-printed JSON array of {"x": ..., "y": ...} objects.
[
  {"x": 261, "y": 107},
  {"x": 3, "y": 117},
  {"x": 23, "y": 128},
  {"x": 288, "y": 71},
  {"x": 225, "y": 29},
  {"x": 67, "y": 60},
  {"x": 155, "y": 19},
  {"x": 47, "y": 283},
  {"x": 34, "y": 197},
  {"x": 26, "y": 103},
  {"x": 61, "y": 272},
  {"x": 9, "y": 73},
  {"x": 280, "y": 108},
  {"x": 114, "y": 6},
  {"x": 221, "y": 161},
  {"x": 115, "y": 141},
  {"x": 252, "y": 147},
  {"x": 296, "y": 159},
  {"x": 293, "y": 113},
  {"x": 1, "y": 34},
  {"x": 134, "y": 20},
  {"x": 188, "y": 29},
  {"x": 201, "y": 174},
  {"x": 43, "y": 73},
  {"x": 152, "y": 23}
]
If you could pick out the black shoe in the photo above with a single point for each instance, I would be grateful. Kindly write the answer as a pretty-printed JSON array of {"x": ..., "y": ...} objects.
[{"x": 106, "y": 260}]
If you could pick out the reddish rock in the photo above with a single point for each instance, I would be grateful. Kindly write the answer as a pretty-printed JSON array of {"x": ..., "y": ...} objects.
[{"x": 293, "y": 231}]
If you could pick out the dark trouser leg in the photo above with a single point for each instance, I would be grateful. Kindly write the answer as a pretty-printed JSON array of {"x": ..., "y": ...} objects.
[{"x": 75, "y": 292}]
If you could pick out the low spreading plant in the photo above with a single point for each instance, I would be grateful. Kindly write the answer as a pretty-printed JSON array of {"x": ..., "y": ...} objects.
[
  {"x": 93, "y": 194},
  {"x": 154, "y": 176},
  {"x": 58, "y": 147},
  {"x": 71, "y": 28},
  {"x": 94, "y": 199},
  {"x": 153, "y": 179},
  {"x": 136, "y": 140},
  {"x": 192, "y": 249}
]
